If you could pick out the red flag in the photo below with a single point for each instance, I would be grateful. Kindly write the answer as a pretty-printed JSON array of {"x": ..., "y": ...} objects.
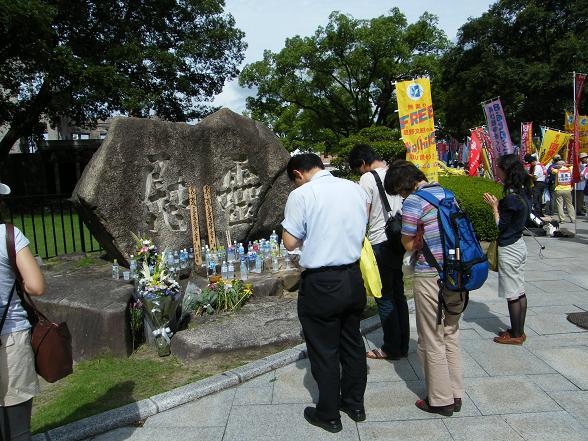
[
  {"x": 526, "y": 139},
  {"x": 475, "y": 150},
  {"x": 578, "y": 88}
]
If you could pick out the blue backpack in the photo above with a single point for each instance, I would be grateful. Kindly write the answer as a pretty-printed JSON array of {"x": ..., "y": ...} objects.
[{"x": 465, "y": 266}]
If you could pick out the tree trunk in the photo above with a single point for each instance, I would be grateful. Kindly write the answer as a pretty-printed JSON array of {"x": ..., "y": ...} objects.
[{"x": 25, "y": 121}]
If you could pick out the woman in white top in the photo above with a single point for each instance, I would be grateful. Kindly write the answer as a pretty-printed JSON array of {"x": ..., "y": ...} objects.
[{"x": 18, "y": 379}]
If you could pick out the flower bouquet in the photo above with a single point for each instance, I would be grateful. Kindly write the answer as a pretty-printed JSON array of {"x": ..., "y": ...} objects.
[
  {"x": 160, "y": 294},
  {"x": 223, "y": 295},
  {"x": 145, "y": 252}
]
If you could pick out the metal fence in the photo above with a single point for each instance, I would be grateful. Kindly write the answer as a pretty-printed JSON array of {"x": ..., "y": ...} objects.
[{"x": 51, "y": 223}]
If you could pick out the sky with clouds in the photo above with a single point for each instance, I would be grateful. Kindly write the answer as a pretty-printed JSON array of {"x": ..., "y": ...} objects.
[{"x": 267, "y": 24}]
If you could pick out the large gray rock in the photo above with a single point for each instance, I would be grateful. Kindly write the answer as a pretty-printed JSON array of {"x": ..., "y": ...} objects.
[
  {"x": 271, "y": 321},
  {"x": 95, "y": 308},
  {"x": 138, "y": 181}
]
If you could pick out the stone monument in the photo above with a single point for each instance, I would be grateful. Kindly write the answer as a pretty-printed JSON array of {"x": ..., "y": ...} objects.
[{"x": 138, "y": 181}]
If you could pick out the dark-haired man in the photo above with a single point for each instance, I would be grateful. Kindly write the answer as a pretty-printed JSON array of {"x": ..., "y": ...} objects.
[
  {"x": 392, "y": 306},
  {"x": 538, "y": 174},
  {"x": 327, "y": 216}
]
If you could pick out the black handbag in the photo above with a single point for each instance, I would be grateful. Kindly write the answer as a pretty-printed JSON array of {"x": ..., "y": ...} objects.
[{"x": 393, "y": 225}]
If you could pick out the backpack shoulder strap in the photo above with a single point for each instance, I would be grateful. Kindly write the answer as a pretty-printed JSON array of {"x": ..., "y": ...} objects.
[
  {"x": 428, "y": 197},
  {"x": 383, "y": 196}
]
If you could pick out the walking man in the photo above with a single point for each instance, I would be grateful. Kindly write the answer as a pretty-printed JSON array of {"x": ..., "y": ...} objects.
[
  {"x": 392, "y": 306},
  {"x": 327, "y": 217}
]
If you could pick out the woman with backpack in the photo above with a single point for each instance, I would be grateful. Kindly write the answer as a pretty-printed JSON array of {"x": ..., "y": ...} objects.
[
  {"x": 511, "y": 214},
  {"x": 438, "y": 346}
]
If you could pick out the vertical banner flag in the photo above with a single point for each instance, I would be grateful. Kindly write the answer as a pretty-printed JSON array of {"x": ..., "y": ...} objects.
[
  {"x": 490, "y": 154},
  {"x": 553, "y": 141},
  {"x": 582, "y": 126},
  {"x": 526, "y": 139},
  {"x": 475, "y": 153},
  {"x": 415, "y": 110},
  {"x": 578, "y": 88},
  {"x": 497, "y": 129}
]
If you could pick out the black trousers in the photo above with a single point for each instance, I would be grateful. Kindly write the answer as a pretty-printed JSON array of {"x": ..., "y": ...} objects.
[
  {"x": 392, "y": 306},
  {"x": 330, "y": 304},
  {"x": 538, "y": 198},
  {"x": 15, "y": 422}
]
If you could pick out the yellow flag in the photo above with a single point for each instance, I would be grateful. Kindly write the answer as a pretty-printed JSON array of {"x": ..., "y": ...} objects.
[
  {"x": 552, "y": 143},
  {"x": 415, "y": 110},
  {"x": 582, "y": 126}
]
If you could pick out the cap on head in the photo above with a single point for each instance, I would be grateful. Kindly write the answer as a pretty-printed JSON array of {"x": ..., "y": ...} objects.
[
  {"x": 529, "y": 158},
  {"x": 4, "y": 189},
  {"x": 556, "y": 158},
  {"x": 561, "y": 162}
]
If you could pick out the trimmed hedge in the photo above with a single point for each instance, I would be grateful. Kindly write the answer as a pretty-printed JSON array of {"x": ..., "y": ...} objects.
[{"x": 469, "y": 192}]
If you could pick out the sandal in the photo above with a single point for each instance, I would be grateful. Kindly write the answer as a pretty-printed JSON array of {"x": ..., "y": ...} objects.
[
  {"x": 507, "y": 339},
  {"x": 376, "y": 354},
  {"x": 440, "y": 410},
  {"x": 501, "y": 333}
]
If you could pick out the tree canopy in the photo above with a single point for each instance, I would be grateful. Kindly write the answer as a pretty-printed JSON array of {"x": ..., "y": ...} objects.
[
  {"x": 320, "y": 89},
  {"x": 523, "y": 51},
  {"x": 85, "y": 60}
]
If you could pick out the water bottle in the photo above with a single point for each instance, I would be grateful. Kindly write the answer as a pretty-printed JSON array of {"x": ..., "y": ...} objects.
[
  {"x": 258, "y": 263},
  {"x": 275, "y": 263},
  {"x": 231, "y": 271},
  {"x": 224, "y": 270},
  {"x": 274, "y": 237},
  {"x": 287, "y": 261},
  {"x": 241, "y": 251},
  {"x": 176, "y": 260},
  {"x": 183, "y": 259},
  {"x": 115, "y": 272},
  {"x": 191, "y": 258},
  {"x": 243, "y": 269},
  {"x": 204, "y": 254},
  {"x": 252, "y": 257},
  {"x": 212, "y": 268},
  {"x": 133, "y": 266}
]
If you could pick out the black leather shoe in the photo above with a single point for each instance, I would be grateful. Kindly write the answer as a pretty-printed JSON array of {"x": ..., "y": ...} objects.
[
  {"x": 356, "y": 415},
  {"x": 332, "y": 426}
]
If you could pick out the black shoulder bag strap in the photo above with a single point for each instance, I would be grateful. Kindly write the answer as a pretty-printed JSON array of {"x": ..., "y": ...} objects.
[{"x": 383, "y": 196}]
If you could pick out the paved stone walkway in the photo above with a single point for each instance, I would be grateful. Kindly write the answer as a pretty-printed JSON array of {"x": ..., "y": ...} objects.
[{"x": 535, "y": 392}]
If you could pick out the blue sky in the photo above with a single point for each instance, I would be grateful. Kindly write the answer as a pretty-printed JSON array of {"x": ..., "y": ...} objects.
[{"x": 267, "y": 24}]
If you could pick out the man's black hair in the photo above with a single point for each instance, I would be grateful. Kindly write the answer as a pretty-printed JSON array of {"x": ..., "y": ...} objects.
[
  {"x": 303, "y": 162},
  {"x": 362, "y": 154},
  {"x": 529, "y": 158}
]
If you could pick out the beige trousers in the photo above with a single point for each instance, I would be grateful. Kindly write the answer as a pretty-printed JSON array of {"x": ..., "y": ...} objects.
[
  {"x": 438, "y": 346},
  {"x": 560, "y": 198}
]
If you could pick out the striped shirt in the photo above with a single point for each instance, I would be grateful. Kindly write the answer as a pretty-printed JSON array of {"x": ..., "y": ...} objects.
[{"x": 416, "y": 211}]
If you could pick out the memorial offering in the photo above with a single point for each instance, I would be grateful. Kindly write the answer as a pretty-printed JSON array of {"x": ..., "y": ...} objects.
[{"x": 160, "y": 294}]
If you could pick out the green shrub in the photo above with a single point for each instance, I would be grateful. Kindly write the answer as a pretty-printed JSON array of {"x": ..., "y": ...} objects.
[
  {"x": 469, "y": 192},
  {"x": 385, "y": 141}
]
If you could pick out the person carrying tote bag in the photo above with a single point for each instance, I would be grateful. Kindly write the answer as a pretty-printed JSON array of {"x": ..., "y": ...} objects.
[{"x": 18, "y": 378}]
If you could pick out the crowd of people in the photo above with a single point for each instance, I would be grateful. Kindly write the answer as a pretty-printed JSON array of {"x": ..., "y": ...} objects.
[
  {"x": 553, "y": 189},
  {"x": 332, "y": 295}
]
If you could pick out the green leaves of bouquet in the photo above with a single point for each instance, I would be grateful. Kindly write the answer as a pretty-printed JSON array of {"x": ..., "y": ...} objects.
[{"x": 224, "y": 295}]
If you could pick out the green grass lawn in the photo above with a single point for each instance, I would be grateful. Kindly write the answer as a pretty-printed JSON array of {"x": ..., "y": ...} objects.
[
  {"x": 55, "y": 237},
  {"x": 108, "y": 382}
]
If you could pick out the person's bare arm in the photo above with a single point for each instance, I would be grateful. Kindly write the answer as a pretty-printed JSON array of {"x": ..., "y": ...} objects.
[
  {"x": 408, "y": 242},
  {"x": 290, "y": 242},
  {"x": 32, "y": 277}
]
